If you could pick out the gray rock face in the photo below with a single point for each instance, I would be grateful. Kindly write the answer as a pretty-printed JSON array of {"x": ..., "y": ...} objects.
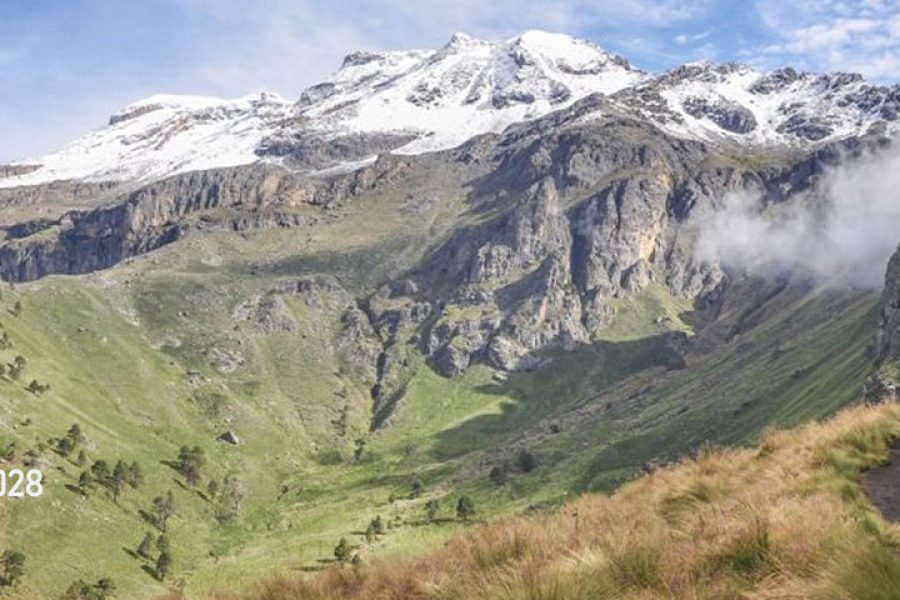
[
  {"x": 727, "y": 115},
  {"x": 309, "y": 151},
  {"x": 80, "y": 241},
  {"x": 564, "y": 215},
  {"x": 888, "y": 340},
  {"x": 13, "y": 170},
  {"x": 584, "y": 215},
  {"x": 83, "y": 241}
]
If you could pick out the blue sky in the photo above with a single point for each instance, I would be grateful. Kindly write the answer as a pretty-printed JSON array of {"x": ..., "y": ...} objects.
[{"x": 65, "y": 65}]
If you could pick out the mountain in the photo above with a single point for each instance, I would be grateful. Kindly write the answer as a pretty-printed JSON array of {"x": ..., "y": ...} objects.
[
  {"x": 489, "y": 270},
  {"x": 421, "y": 101}
]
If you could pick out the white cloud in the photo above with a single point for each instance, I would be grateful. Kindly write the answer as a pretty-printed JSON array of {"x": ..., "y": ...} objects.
[
  {"x": 835, "y": 35},
  {"x": 847, "y": 227},
  {"x": 683, "y": 38}
]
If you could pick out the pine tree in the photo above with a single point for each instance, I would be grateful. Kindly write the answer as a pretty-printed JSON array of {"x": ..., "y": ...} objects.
[
  {"x": 378, "y": 524},
  {"x": 164, "y": 507},
  {"x": 342, "y": 552},
  {"x": 85, "y": 482},
  {"x": 82, "y": 458},
  {"x": 370, "y": 533},
  {"x": 212, "y": 489},
  {"x": 416, "y": 488},
  {"x": 498, "y": 475},
  {"x": 100, "y": 472},
  {"x": 117, "y": 481},
  {"x": 143, "y": 548},
  {"x": 163, "y": 565},
  {"x": 135, "y": 475},
  {"x": 191, "y": 462},
  {"x": 465, "y": 508}
]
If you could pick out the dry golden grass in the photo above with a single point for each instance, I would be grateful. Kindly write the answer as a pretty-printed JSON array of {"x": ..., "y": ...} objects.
[{"x": 787, "y": 519}]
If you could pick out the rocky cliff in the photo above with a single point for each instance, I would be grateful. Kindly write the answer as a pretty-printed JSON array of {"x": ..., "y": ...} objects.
[{"x": 888, "y": 341}]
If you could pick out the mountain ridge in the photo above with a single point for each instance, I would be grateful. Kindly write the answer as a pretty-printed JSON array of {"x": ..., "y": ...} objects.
[{"x": 411, "y": 102}]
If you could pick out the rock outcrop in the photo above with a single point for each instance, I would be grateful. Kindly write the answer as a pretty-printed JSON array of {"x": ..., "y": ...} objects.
[{"x": 888, "y": 339}]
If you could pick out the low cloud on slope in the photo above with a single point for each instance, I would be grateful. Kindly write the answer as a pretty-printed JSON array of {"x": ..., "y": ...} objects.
[{"x": 848, "y": 227}]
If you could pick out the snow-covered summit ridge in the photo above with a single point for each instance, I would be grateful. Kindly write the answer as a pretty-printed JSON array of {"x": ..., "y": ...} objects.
[
  {"x": 467, "y": 87},
  {"x": 163, "y": 135},
  {"x": 422, "y": 100}
]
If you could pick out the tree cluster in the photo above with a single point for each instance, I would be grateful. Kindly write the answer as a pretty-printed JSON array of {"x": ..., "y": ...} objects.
[{"x": 81, "y": 590}]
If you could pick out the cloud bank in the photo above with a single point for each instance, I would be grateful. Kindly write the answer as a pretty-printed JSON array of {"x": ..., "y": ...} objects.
[{"x": 848, "y": 227}]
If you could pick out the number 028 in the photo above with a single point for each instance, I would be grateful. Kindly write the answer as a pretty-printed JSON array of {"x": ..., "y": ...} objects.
[{"x": 18, "y": 483}]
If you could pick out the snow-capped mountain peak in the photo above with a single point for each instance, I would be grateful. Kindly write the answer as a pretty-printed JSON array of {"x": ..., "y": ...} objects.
[
  {"x": 417, "y": 101},
  {"x": 467, "y": 87}
]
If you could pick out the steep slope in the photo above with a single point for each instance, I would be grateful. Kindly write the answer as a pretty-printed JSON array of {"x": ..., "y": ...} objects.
[{"x": 787, "y": 518}]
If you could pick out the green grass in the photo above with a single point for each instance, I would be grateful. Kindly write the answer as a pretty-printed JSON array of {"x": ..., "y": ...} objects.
[{"x": 126, "y": 353}]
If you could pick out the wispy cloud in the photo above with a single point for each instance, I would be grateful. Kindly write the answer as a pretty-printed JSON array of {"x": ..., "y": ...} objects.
[
  {"x": 847, "y": 35},
  {"x": 847, "y": 228}
]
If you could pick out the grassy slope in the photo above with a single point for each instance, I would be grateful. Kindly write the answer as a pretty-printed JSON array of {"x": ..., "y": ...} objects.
[
  {"x": 75, "y": 333},
  {"x": 117, "y": 348},
  {"x": 786, "y": 519}
]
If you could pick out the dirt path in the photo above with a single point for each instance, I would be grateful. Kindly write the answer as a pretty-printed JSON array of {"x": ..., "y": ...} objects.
[{"x": 882, "y": 485}]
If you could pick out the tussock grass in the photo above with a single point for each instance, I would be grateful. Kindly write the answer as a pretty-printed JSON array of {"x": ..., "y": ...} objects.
[{"x": 786, "y": 519}]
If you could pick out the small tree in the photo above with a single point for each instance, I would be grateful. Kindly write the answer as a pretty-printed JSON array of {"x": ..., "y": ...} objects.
[
  {"x": 85, "y": 482},
  {"x": 212, "y": 489},
  {"x": 465, "y": 508},
  {"x": 432, "y": 507},
  {"x": 15, "y": 368},
  {"x": 164, "y": 507},
  {"x": 13, "y": 563},
  {"x": 101, "y": 473},
  {"x": 343, "y": 552},
  {"x": 191, "y": 463},
  {"x": 82, "y": 458},
  {"x": 78, "y": 590},
  {"x": 106, "y": 588},
  {"x": 135, "y": 475},
  {"x": 117, "y": 481},
  {"x": 71, "y": 441},
  {"x": 228, "y": 505},
  {"x": 162, "y": 543},
  {"x": 163, "y": 565},
  {"x": 378, "y": 524},
  {"x": 37, "y": 388},
  {"x": 143, "y": 549},
  {"x": 17, "y": 309},
  {"x": 498, "y": 475},
  {"x": 526, "y": 461},
  {"x": 416, "y": 488},
  {"x": 370, "y": 533},
  {"x": 359, "y": 446}
]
